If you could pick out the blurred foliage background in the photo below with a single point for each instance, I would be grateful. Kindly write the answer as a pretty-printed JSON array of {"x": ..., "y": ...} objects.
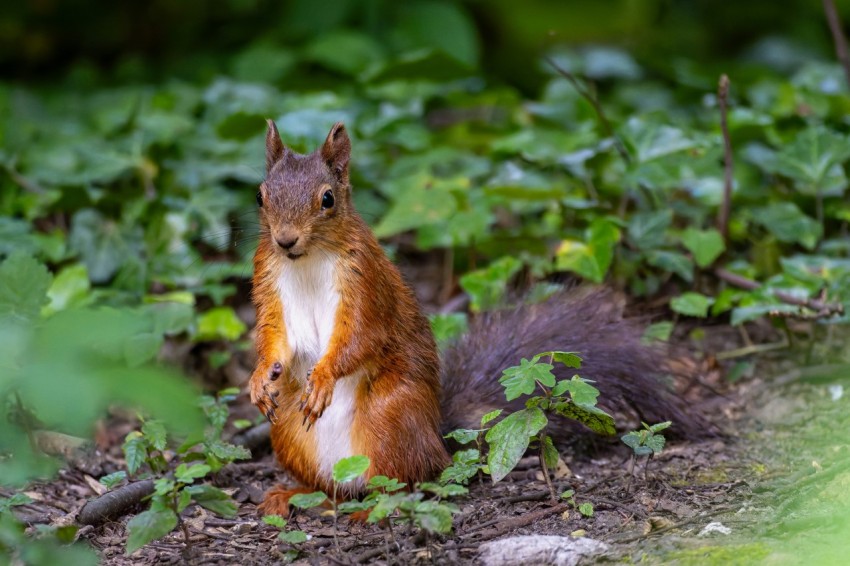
[{"x": 131, "y": 144}]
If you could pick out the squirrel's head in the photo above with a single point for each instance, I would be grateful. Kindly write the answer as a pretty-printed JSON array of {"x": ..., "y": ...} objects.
[{"x": 304, "y": 196}]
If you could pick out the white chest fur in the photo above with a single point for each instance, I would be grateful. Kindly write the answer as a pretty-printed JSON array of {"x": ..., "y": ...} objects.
[{"x": 310, "y": 300}]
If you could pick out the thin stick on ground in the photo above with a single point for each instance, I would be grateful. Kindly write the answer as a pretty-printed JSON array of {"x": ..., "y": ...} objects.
[
  {"x": 841, "y": 50},
  {"x": 728, "y": 163},
  {"x": 582, "y": 89},
  {"x": 821, "y": 308}
]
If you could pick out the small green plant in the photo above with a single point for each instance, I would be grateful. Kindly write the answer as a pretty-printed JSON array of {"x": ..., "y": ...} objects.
[
  {"x": 585, "y": 509},
  {"x": 572, "y": 398},
  {"x": 646, "y": 442},
  {"x": 293, "y": 537},
  {"x": 177, "y": 490},
  {"x": 467, "y": 463}
]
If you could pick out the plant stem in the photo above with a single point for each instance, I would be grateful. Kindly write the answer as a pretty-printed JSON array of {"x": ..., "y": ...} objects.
[
  {"x": 728, "y": 162},
  {"x": 838, "y": 38},
  {"x": 333, "y": 502},
  {"x": 546, "y": 467}
]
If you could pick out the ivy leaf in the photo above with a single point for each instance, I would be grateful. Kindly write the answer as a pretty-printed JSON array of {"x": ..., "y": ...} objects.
[
  {"x": 691, "y": 304},
  {"x": 308, "y": 500},
  {"x": 149, "y": 526},
  {"x": 522, "y": 379},
  {"x": 487, "y": 286},
  {"x": 679, "y": 264},
  {"x": 509, "y": 439},
  {"x": 705, "y": 245},
  {"x": 219, "y": 323},
  {"x": 788, "y": 224},
  {"x": 349, "y": 469},
  {"x": 647, "y": 230},
  {"x": 24, "y": 283}
]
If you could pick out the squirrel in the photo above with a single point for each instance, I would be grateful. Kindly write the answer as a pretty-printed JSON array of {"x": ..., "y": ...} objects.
[{"x": 347, "y": 363}]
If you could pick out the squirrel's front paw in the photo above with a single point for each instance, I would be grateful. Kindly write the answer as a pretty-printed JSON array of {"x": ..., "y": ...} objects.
[
  {"x": 316, "y": 398},
  {"x": 263, "y": 392}
]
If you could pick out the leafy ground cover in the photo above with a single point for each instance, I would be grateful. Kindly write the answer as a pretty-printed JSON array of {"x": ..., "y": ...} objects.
[{"x": 127, "y": 223}]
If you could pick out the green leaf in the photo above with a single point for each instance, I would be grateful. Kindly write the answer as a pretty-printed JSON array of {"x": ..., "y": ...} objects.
[
  {"x": 155, "y": 434},
  {"x": 658, "y": 427},
  {"x": 590, "y": 416},
  {"x": 448, "y": 327},
  {"x": 349, "y": 469},
  {"x": 348, "y": 52},
  {"x": 188, "y": 474},
  {"x": 434, "y": 516},
  {"x": 647, "y": 230},
  {"x": 591, "y": 258},
  {"x": 113, "y": 479},
  {"x": 102, "y": 243},
  {"x": 24, "y": 283},
  {"x": 149, "y": 526},
  {"x": 385, "y": 483},
  {"x": 70, "y": 288},
  {"x": 586, "y": 509},
  {"x": 550, "y": 453},
  {"x": 679, "y": 264},
  {"x": 308, "y": 500},
  {"x": 632, "y": 439},
  {"x": 568, "y": 494},
  {"x": 463, "y": 435},
  {"x": 691, "y": 304},
  {"x": 655, "y": 443},
  {"x": 274, "y": 520},
  {"x": 509, "y": 439},
  {"x": 486, "y": 286},
  {"x": 581, "y": 391},
  {"x": 14, "y": 500},
  {"x": 443, "y": 491},
  {"x": 705, "y": 245},
  {"x": 385, "y": 505},
  {"x": 214, "y": 499},
  {"x": 522, "y": 379},
  {"x": 660, "y": 331},
  {"x": 490, "y": 416},
  {"x": 219, "y": 323},
  {"x": 293, "y": 537},
  {"x": 788, "y": 224},
  {"x": 135, "y": 451}
]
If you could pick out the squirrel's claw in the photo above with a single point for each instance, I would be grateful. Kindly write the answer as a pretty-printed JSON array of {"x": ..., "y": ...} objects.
[
  {"x": 263, "y": 393},
  {"x": 316, "y": 398}
]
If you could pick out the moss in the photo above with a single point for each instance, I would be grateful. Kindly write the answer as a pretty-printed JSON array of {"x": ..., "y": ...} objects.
[{"x": 719, "y": 555}]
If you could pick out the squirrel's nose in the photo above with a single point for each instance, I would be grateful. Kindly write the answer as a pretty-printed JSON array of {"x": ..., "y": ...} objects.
[{"x": 287, "y": 244}]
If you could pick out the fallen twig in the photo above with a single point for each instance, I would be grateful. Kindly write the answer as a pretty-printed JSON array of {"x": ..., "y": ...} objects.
[
  {"x": 728, "y": 163},
  {"x": 115, "y": 503},
  {"x": 838, "y": 38},
  {"x": 508, "y": 525},
  {"x": 820, "y": 307}
]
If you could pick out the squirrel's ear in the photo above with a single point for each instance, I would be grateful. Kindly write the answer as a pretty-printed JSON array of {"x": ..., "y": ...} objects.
[
  {"x": 337, "y": 152},
  {"x": 274, "y": 146}
]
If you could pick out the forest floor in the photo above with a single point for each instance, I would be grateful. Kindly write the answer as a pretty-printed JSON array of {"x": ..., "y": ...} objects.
[{"x": 724, "y": 500}]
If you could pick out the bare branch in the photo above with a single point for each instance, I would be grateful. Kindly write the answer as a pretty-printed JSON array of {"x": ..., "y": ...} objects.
[
  {"x": 728, "y": 163},
  {"x": 838, "y": 38},
  {"x": 582, "y": 89}
]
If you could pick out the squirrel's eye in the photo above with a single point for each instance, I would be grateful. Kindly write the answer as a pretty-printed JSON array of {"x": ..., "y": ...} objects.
[
  {"x": 259, "y": 198},
  {"x": 327, "y": 200}
]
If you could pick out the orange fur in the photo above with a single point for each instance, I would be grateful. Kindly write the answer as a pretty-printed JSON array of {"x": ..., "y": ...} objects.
[{"x": 379, "y": 330}]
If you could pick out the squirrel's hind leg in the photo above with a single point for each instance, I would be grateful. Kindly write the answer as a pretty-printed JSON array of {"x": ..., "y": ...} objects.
[{"x": 276, "y": 500}]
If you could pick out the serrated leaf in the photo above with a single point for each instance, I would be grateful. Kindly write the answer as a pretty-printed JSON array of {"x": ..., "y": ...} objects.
[
  {"x": 463, "y": 435},
  {"x": 23, "y": 288},
  {"x": 434, "y": 516},
  {"x": 581, "y": 391},
  {"x": 705, "y": 245},
  {"x": 308, "y": 500},
  {"x": 155, "y": 434},
  {"x": 113, "y": 479},
  {"x": 149, "y": 526},
  {"x": 349, "y": 469},
  {"x": 509, "y": 439},
  {"x": 522, "y": 379},
  {"x": 586, "y": 509},
  {"x": 443, "y": 491},
  {"x": 214, "y": 499},
  {"x": 135, "y": 451},
  {"x": 385, "y": 483},
  {"x": 188, "y": 474}
]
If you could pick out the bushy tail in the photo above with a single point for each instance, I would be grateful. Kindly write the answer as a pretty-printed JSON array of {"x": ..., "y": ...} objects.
[{"x": 633, "y": 378}]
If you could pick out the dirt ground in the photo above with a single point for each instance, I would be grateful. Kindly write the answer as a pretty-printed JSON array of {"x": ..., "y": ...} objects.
[{"x": 664, "y": 502}]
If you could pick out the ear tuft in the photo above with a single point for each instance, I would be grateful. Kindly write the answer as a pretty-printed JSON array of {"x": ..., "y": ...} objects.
[
  {"x": 336, "y": 152},
  {"x": 274, "y": 146}
]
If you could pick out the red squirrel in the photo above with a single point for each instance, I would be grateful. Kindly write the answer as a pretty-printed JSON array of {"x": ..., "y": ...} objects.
[{"x": 347, "y": 363}]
